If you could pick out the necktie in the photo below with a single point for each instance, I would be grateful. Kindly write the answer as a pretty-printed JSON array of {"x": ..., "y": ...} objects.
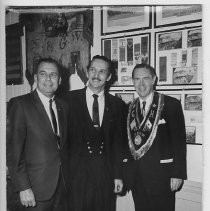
[
  {"x": 95, "y": 112},
  {"x": 53, "y": 118},
  {"x": 143, "y": 108},
  {"x": 54, "y": 123}
]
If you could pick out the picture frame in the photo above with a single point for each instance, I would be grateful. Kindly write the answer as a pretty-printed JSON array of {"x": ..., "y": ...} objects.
[
  {"x": 127, "y": 97},
  {"x": 115, "y": 19},
  {"x": 191, "y": 101},
  {"x": 171, "y": 15},
  {"x": 178, "y": 56},
  {"x": 14, "y": 71},
  {"x": 125, "y": 52},
  {"x": 190, "y": 134}
]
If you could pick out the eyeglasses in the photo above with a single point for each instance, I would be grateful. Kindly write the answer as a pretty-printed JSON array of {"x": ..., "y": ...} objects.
[{"x": 46, "y": 75}]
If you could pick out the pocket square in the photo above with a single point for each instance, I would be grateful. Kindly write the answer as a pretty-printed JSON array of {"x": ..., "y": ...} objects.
[{"x": 162, "y": 121}]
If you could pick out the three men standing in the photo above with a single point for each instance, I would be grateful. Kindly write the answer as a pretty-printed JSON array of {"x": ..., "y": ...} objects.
[
  {"x": 157, "y": 142},
  {"x": 38, "y": 153}
]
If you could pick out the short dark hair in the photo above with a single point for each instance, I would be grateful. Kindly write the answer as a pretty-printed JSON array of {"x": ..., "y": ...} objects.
[
  {"x": 102, "y": 58},
  {"x": 146, "y": 66},
  {"x": 46, "y": 60}
]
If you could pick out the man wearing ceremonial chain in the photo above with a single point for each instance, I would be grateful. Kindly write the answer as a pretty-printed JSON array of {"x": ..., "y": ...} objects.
[{"x": 156, "y": 167}]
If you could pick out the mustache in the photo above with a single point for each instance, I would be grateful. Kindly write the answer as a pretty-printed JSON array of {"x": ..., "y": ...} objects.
[{"x": 95, "y": 78}]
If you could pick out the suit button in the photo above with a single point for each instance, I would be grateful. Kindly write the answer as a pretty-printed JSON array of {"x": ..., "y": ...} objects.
[
  {"x": 90, "y": 152},
  {"x": 88, "y": 142},
  {"x": 88, "y": 147},
  {"x": 100, "y": 152},
  {"x": 102, "y": 147}
]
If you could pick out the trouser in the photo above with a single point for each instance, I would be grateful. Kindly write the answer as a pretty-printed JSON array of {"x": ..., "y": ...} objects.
[{"x": 147, "y": 201}]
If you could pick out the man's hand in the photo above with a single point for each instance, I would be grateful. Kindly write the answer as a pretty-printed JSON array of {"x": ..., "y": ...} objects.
[
  {"x": 27, "y": 198},
  {"x": 118, "y": 185},
  {"x": 175, "y": 184}
]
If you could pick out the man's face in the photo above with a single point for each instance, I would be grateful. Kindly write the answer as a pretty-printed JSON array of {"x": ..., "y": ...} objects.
[
  {"x": 143, "y": 82},
  {"x": 98, "y": 74},
  {"x": 47, "y": 78}
]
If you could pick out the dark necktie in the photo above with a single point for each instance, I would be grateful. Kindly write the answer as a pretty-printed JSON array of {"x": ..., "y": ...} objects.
[
  {"x": 53, "y": 118},
  {"x": 143, "y": 108},
  {"x": 95, "y": 112},
  {"x": 54, "y": 123}
]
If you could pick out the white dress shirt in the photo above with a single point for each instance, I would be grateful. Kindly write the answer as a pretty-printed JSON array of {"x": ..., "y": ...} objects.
[
  {"x": 101, "y": 103},
  {"x": 45, "y": 102},
  {"x": 148, "y": 101}
]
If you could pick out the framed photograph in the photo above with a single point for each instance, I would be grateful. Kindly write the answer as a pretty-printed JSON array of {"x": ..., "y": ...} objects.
[
  {"x": 125, "y": 52},
  {"x": 190, "y": 97},
  {"x": 126, "y": 97},
  {"x": 171, "y": 15},
  {"x": 191, "y": 134},
  {"x": 193, "y": 102},
  {"x": 178, "y": 56},
  {"x": 117, "y": 19},
  {"x": 14, "y": 72}
]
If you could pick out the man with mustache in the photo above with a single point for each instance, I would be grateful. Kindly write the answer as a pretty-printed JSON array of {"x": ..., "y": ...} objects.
[{"x": 96, "y": 123}]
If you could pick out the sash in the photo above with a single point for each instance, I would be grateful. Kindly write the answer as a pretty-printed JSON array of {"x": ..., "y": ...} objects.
[{"x": 141, "y": 133}]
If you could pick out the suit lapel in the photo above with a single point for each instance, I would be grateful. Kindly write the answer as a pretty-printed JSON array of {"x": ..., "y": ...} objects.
[
  {"x": 107, "y": 115},
  {"x": 60, "y": 113},
  {"x": 84, "y": 108},
  {"x": 40, "y": 108}
]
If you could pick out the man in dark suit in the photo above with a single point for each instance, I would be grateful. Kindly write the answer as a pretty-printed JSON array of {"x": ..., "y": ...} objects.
[
  {"x": 96, "y": 123},
  {"x": 36, "y": 143},
  {"x": 157, "y": 143}
]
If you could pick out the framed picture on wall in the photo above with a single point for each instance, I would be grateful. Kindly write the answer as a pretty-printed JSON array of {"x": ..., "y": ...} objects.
[
  {"x": 126, "y": 97},
  {"x": 117, "y": 19},
  {"x": 178, "y": 56},
  {"x": 191, "y": 134},
  {"x": 191, "y": 101},
  {"x": 170, "y": 15},
  {"x": 14, "y": 72},
  {"x": 125, "y": 52}
]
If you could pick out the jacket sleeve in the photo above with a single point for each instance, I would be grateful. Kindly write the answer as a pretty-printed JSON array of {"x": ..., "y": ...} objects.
[
  {"x": 119, "y": 140},
  {"x": 16, "y": 138},
  {"x": 176, "y": 127}
]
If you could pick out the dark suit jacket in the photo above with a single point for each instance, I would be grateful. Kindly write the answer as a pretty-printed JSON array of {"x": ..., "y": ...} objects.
[
  {"x": 112, "y": 122},
  {"x": 34, "y": 159},
  {"x": 170, "y": 143}
]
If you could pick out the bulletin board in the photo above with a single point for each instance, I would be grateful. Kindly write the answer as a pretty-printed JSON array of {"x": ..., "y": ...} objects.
[
  {"x": 126, "y": 52},
  {"x": 178, "y": 55}
]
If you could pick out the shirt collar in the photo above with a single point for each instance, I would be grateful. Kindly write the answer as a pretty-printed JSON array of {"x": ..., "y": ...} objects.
[
  {"x": 90, "y": 93},
  {"x": 43, "y": 98},
  {"x": 148, "y": 100}
]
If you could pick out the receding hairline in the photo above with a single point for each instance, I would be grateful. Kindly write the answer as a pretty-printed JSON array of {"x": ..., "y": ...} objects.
[
  {"x": 47, "y": 62},
  {"x": 152, "y": 73}
]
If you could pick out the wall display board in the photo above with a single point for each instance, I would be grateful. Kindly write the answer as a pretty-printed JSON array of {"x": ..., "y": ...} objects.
[
  {"x": 177, "y": 14},
  {"x": 116, "y": 19},
  {"x": 178, "y": 55},
  {"x": 191, "y": 100},
  {"x": 125, "y": 52}
]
